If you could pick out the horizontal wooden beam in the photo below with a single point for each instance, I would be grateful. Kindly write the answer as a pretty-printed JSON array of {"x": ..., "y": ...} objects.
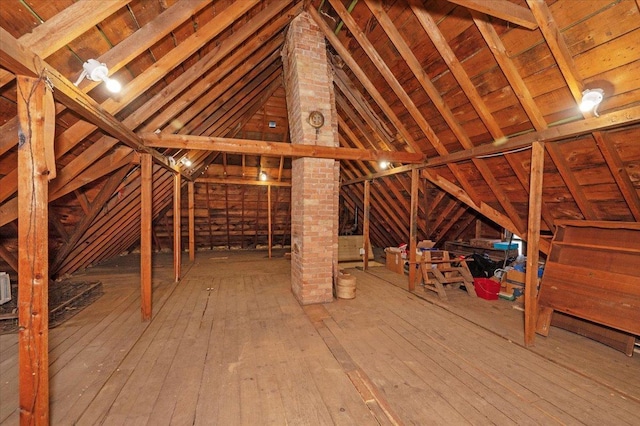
[
  {"x": 22, "y": 61},
  {"x": 371, "y": 176},
  {"x": 610, "y": 120},
  {"x": 502, "y": 9},
  {"x": 276, "y": 149},
  {"x": 239, "y": 181}
]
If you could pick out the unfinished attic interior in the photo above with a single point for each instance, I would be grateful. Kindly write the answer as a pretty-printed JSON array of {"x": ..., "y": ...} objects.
[{"x": 319, "y": 212}]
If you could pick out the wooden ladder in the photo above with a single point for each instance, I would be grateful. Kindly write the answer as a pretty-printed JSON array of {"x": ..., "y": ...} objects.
[{"x": 436, "y": 271}]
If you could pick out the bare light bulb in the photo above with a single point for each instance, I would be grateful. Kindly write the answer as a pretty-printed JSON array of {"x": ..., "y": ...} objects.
[
  {"x": 113, "y": 86},
  {"x": 97, "y": 71},
  {"x": 591, "y": 98}
]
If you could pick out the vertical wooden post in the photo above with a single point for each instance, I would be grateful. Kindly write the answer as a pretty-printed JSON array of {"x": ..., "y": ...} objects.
[
  {"x": 413, "y": 228},
  {"x": 269, "y": 217},
  {"x": 177, "y": 250},
  {"x": 192, "y": 220},
  {"x": 35, "y": 110},
  {"x": 365, "y": 224},
  {"x": 146, "y": 216},
  {"x": 533, "y": 243}
]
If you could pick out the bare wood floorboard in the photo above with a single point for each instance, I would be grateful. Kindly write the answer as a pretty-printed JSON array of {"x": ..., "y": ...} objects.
[
  {"x": 582, "y": 355},
  {"x": 229, "y": 344}
]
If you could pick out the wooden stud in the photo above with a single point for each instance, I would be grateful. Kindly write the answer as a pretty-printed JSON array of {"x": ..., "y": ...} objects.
[
  {"x": 533, "y": 246},
  {"x": 146, "y": 217},
  {"x": 413, "y": 228},
  {"x": 177, "y": 236},
  {"x": 242, "y": 191},
  {"x": 228, "y": 222},
  {"x": 366, "y": 224},
  {"x": 269, "y": 218},
  {"x": 192, "y": 232},
  {"x": 35, "y": 109},
  {"x": 209, "y": 217},
  {"x": 255, "y": 238}
]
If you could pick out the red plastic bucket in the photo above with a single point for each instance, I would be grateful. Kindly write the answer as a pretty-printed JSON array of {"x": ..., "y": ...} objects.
[{"x": 486, "y": 288}]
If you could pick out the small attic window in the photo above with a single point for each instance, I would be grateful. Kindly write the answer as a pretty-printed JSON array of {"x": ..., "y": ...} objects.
[{"x": 272, "y": 124}]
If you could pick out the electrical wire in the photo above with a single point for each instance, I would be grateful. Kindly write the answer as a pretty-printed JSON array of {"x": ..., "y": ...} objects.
[{"x": 505, "y": 152}]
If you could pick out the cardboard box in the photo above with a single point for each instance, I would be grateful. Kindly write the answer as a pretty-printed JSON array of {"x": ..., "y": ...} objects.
[
  {"x": 426, "y": 244},
  {"x": 514, "y": 277},
  {"x": 395, "y": 262}
]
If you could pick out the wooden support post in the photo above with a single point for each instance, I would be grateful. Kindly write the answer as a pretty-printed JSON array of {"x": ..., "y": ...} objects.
[
  {"x": 413, "y": 229},
  {"x": 228, "y": 221},
  {"x": 365, "y": 224},
  {"x": 427, "y": 211},
  {"x": 146, "y": 216},
  {"x": 242, "y": 191},
  {"x": 533, "y": 243},
  {"x": 255, "y": 238},
  {"x": 192, "y": 219},
  {"x": 209, "y": 217},
  {"x": 269, "y": 217},
  {"x": 36, "y": 111},
  {"x": 177, "y": 250}
]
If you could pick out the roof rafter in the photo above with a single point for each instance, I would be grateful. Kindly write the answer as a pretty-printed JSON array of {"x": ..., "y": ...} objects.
[
  {"x": 456, "y": 128},
  {"x": 566, "y": 64},
  {"x": 532, "y": 111},
  {"x": 502, "y": 9}
]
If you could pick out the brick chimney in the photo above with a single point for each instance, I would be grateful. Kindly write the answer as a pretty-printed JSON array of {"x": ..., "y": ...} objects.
[{"x": 315, "y": 185}]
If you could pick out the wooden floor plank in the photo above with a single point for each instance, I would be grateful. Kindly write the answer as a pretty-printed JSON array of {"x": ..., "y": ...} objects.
[
  {"x": 229, "y": 344},
  {"x": 545, "y": 382},
  {"x": 574, "y": 352}
]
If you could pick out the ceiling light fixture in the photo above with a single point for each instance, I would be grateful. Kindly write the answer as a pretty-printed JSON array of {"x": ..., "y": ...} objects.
[
  {"x": 186, "y": 162},
  {"x": 591, "y": 98},
  {"x": 384, "y": 164},
  {"x": 97, "y": 71},
  {"x": 263, "y": 176}
]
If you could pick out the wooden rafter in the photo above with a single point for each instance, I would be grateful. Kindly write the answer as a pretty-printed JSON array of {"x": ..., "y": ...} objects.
[
  {"x": 63, "y": 27},
  {"x": 502, "y": 9},
  {"x": 469, "y": 89},
  {"x": 96, "y": 207},
  {"x": 214, "y": 58},
  {"x": 364, "y": 79},
  {"x": 58, "y": 188},
  {"x": 566, "y": 64},
  {"x": 533, "y": 112},
  {"x": 19, "y": 60},
  {"x": 447, "y": 114},
  {"x": 399, "y": 91}
]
